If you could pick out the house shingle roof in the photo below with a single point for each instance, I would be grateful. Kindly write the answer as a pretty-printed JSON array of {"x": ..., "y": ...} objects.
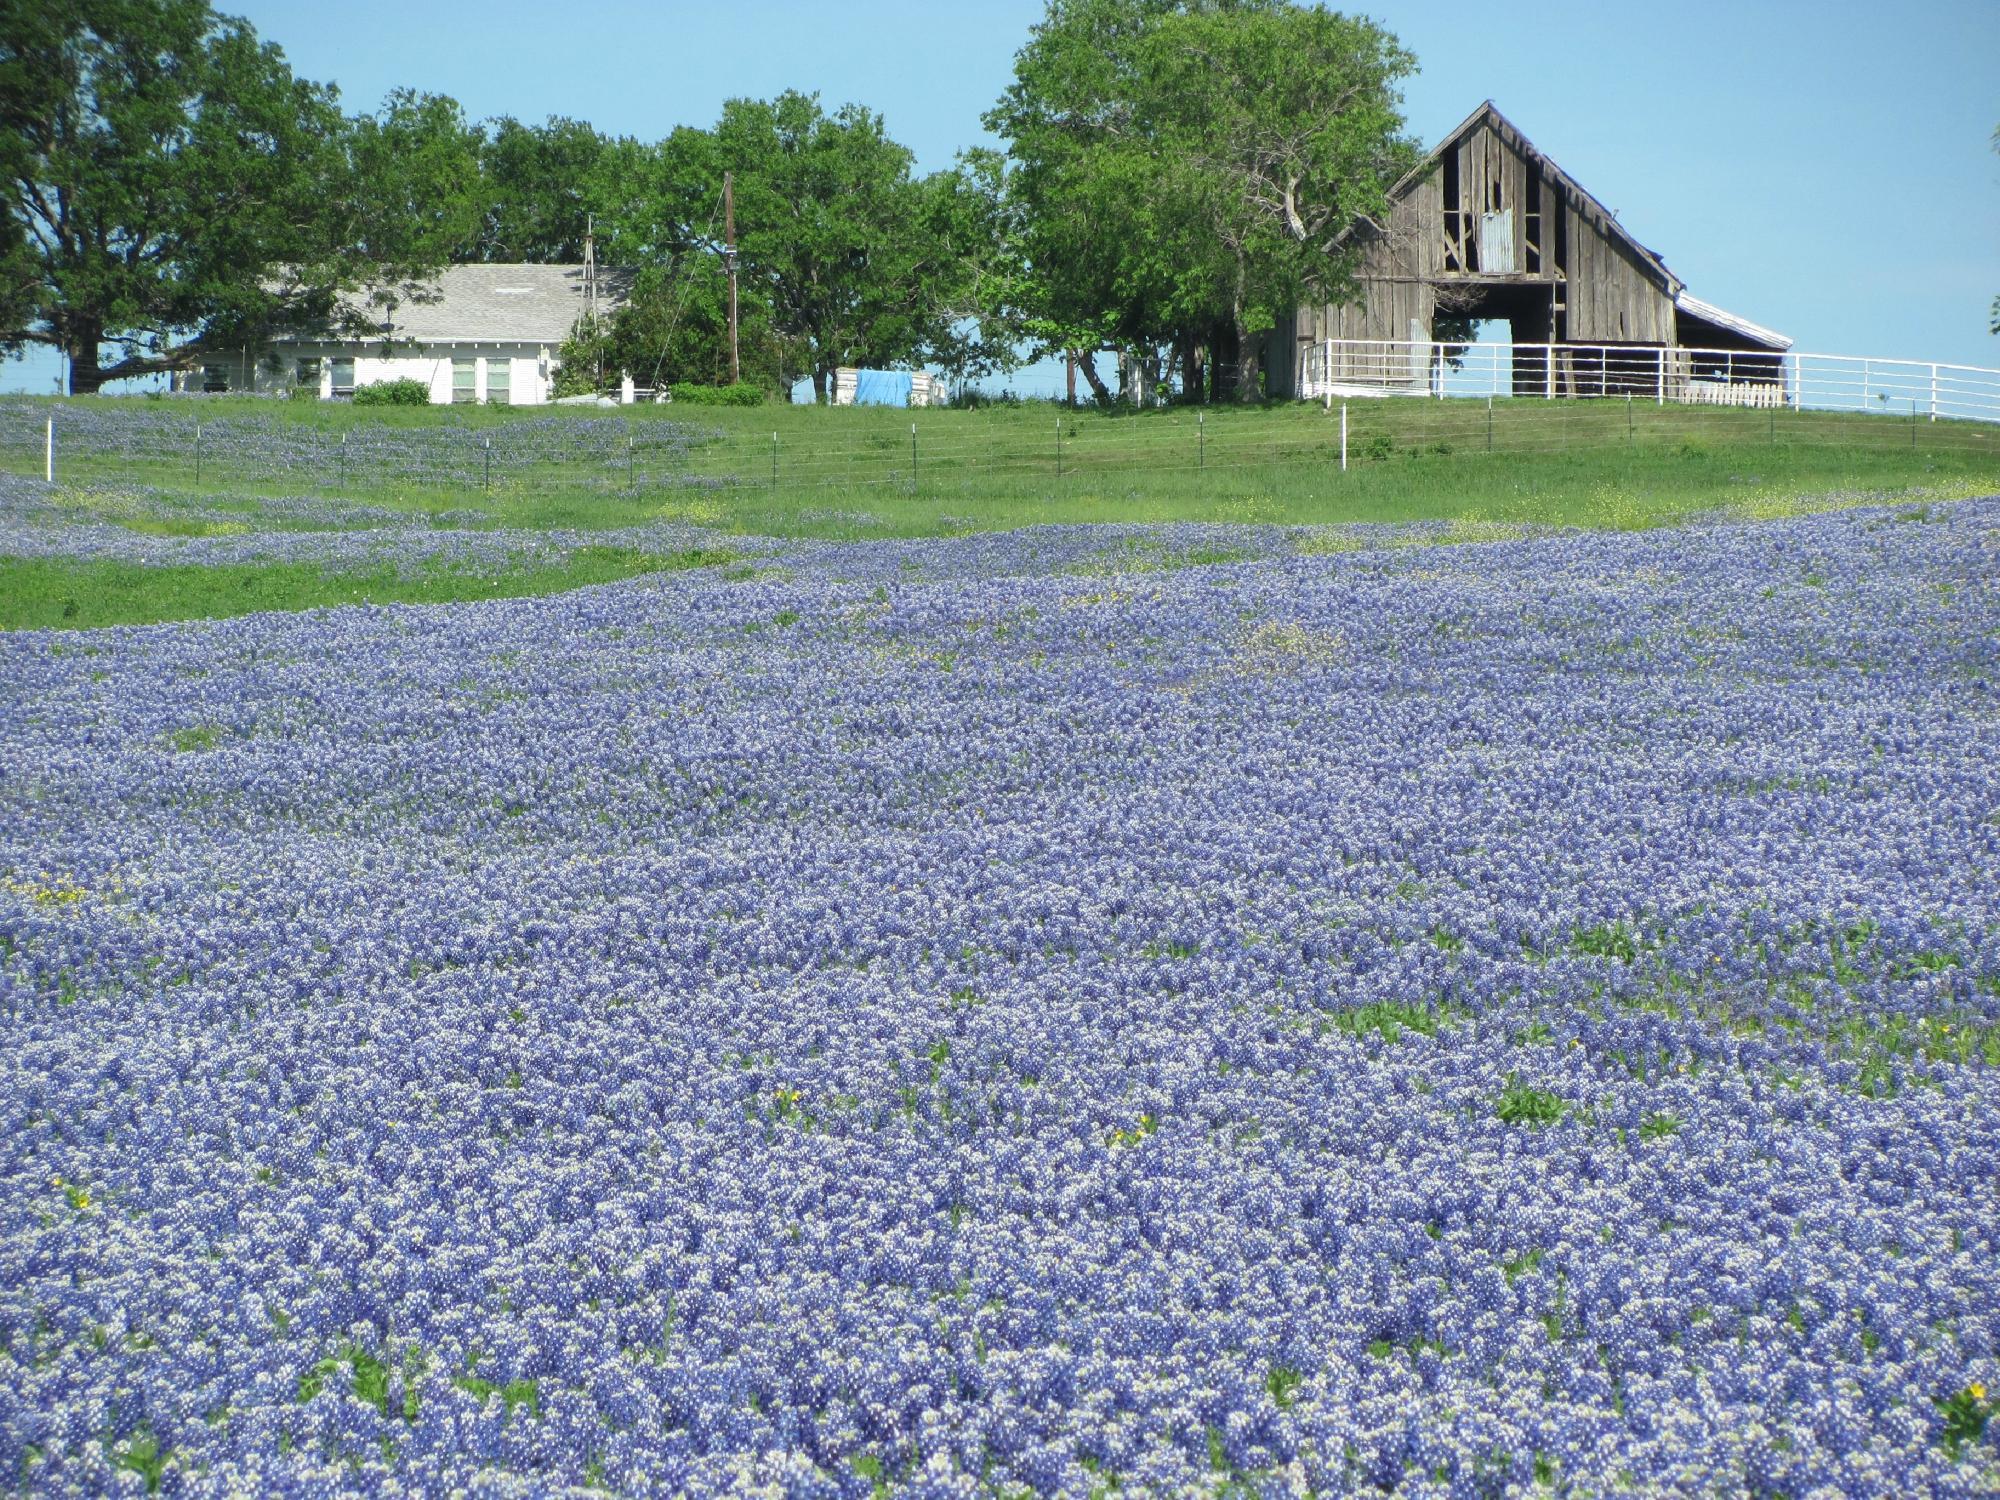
[{"x": 495, "y": 303}]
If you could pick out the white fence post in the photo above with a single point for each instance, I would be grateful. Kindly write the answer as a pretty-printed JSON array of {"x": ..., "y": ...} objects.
[
  {"x": 1549, "y": 372},
  {"x": 1934, "y": 370},
  {"x": 49, "y": 451},
  {"x": 1661, "y": 399},
  {"x": 1798, "y": 382}
]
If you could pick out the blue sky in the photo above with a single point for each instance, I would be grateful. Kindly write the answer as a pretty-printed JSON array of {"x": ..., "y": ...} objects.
[{"x": 1821, "y": 166}]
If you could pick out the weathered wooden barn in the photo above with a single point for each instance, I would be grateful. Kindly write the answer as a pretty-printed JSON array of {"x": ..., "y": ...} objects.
[{"x": 1488, "y": 228}]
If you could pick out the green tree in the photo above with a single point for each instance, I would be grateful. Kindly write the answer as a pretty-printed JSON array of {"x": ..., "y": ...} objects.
[
  {"x": 167, "y": 183},
  {"x": 972, "y": 274},
  {"x": 172, "y": 190},
  {"x": 1187, "y": 169},
  {"x": 412, "y": 184},
  {"x": 541, "y": 185},
  {"x": 830, "y": 227}
]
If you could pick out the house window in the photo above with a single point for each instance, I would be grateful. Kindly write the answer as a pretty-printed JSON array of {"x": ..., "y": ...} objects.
[
  {"x": 343, "y": 375},
  {"x": 215, "y": 377},
  {"x": 464, "y": 380},
  {"x": 498, "y": 373},
  {"x": 305, "y": 374}
]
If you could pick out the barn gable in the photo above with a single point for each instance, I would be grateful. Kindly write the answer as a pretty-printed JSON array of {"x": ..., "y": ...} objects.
[{"x": 1487, "y": 227}]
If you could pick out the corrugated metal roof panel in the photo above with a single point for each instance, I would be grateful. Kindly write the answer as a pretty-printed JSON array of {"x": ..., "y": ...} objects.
[{"x": 1708, "y": 312}]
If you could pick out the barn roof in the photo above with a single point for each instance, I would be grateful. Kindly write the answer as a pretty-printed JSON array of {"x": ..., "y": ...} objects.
[
  {"x": 1743, "y": 328},
  {"x": 507, "y": 303},
  {"x": 1489, "y": 114}
]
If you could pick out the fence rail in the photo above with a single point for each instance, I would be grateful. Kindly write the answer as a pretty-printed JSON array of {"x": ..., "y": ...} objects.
[
  {"x": 1755, "y": 378},
  {"x": 659, "y": 457}
]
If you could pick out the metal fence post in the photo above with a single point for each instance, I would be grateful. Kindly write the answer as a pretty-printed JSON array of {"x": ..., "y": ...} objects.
[
  {"x": 774, "y": 460},
  {"x": 913, "y": 455},
  {"x": 1058, "y": 447},
  {"x": 1489, "y": 424},
  {"x": 486, "y": 479},
  {"x": 1200, "y": 440},
  {"x": 197, "y": 455},
  {"x": 49, "y": 450},
  {"x": 1343, "y": 437}
]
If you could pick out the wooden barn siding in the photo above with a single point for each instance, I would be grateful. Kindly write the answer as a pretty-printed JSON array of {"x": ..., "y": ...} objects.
[
  {"x": 1610, "y": 297},
  {"x": 1485, "y": 162}
]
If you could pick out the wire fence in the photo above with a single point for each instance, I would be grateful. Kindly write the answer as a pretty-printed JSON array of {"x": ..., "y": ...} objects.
[{"x": 934, "y": 451}]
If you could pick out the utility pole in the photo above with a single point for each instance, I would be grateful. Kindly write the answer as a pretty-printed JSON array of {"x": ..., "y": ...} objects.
[
  {"x": 729, "y": 260},
  {"x": 590, "y": 294}
]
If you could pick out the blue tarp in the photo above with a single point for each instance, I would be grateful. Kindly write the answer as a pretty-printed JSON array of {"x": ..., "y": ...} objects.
[{"x": 881, "y": 387}]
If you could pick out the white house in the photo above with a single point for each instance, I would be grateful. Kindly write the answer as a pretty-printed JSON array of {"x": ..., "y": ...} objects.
[{"x": 477, "y": 334}]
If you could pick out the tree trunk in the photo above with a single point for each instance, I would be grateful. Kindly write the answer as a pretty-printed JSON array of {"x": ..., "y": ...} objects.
[
  {"x": 1222, "y": 363},
  {"x": 86, "y": 372},
  {"x": 1248, "y": 388},
  {"x": 1245, "y": 383},
  {"x": 820, "y": 373},
  {"x": 1191, "y": 369},
  {"x": 1087, "y": 362}
]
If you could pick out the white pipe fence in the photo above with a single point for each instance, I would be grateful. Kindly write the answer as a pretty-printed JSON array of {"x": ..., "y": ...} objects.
[{"x": 1666, "y": 376}]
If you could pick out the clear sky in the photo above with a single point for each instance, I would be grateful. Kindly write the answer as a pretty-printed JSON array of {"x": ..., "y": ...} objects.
[{"x": 1823, "y": 167}]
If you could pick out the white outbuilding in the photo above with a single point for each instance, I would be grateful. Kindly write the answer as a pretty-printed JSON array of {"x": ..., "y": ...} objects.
[{"x": 473, "y": 335}]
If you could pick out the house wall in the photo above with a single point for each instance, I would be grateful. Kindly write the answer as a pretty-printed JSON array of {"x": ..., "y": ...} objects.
[{"x": 530, "y": 368}]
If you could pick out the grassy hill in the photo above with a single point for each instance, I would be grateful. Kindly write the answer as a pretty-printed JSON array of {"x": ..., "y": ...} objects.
[
  {"x": 806, "y": 471},
  {"x": 484, "y": 484}
]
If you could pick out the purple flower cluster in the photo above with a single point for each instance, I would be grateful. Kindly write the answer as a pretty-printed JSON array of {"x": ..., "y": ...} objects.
[
  {"x": 605, "y": 451},
  {"x": 1451, "y": 1021}
]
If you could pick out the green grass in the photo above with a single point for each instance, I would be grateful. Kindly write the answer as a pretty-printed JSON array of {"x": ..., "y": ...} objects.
[
  {"x": 57, "y": 593},
  {"x": 847, "y": 473}
]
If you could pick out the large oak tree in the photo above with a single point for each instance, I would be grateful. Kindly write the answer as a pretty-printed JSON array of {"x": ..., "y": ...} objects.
[
  {"x": 171, "y": 189},
  {"x": 1187, "y": 169}
]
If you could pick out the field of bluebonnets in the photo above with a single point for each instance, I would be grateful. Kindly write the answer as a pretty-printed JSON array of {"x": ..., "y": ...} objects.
[
  {"x": 278, "y": 448},
  {"x": 1132, "y": 1012}
]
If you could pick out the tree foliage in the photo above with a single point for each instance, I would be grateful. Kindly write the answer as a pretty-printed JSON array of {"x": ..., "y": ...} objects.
[
  {"x": 540, "y": 185},
  {"x": 171, "y": 189},
  {"x": 158, "y": 161},
  {"x": 1186, "y": 169},
  {"x": 846, "y": 256},
  {"x": 1178, "y": 172}
]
